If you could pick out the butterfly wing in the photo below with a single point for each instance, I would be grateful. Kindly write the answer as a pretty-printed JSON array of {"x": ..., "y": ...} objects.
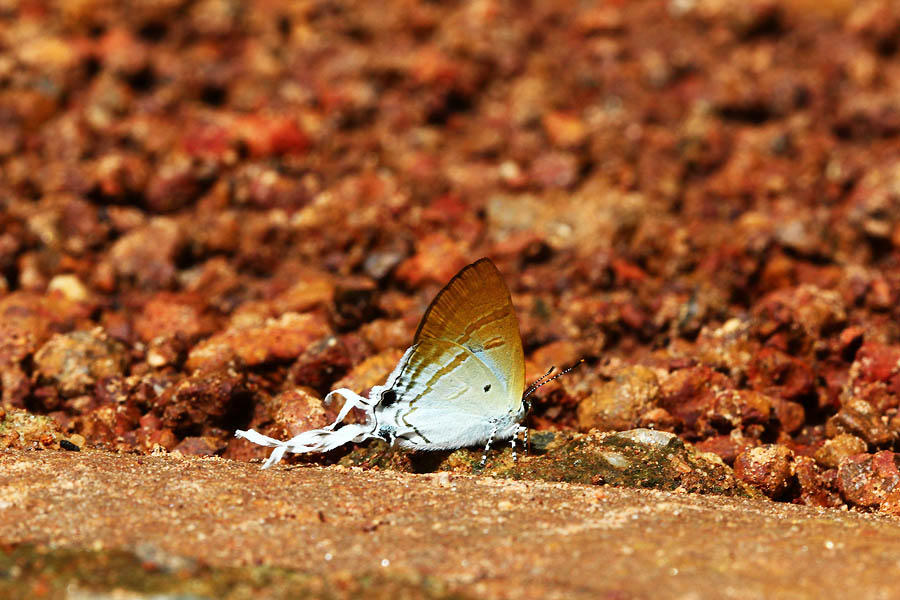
[
  {"x": 475, "y": 311},
  {"x": 441, "y": 396}
]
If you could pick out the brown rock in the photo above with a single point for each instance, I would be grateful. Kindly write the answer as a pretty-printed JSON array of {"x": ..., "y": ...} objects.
[
  {"x": 616, "y": 405},
  {"x": 791, "y": 415},
  {"x": 835, "y": 450},
  {"x": 735, "y": 408},
  {"x": 658, "y": 419},
  {"x": 281, "y": 339},
  {"x": 437, "y": 259},
  {"x": 554, "y": 169},
  {"x": 805, "y": 313},
  {"x": 564, "y": 130},
  {"x": 816, "y": 488},
  {"x": 862, "y": 419},
  {"x": 173, "y": 183},
  {"x": 878, "y": 363},
  {"x": 767, "y": 468},
  {"x": 372, "y": 371},
  {"x": 26, "y": 322},
  {"x": 850, "y": 341},
  {"x": 22, "y": 329},
  {"x": 203, "y": 401},
  {"x": 98, "y": 425},
  {"x": 779, "y": 374},
  {"x": 384, "y": 334},
  {"x": 728, "y": 346},
  {"x": 147, "y": 254},
  {"x": 74, "y": 362},
  {"x": 312, "y": 289},
  {"x": 726, "y": 447},
  {"x": 299, "y": 410},
  {"x": 168, "y": 315},
  {"x": 200, "y": 446},
  {"x": 326, "y": 360},
  {"x": 868, "y": 479},
  {"x": 354, "y": 303},
  {"x": 689, "y": 394}
]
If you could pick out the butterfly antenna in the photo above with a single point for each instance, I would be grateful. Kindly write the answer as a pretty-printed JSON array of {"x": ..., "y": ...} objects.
[
  {"x": 544, "y": 380},
  {"x": 538, "y": 383}
]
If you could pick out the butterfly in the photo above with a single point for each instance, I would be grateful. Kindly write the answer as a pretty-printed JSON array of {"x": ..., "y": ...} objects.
[{"x": 460, "y": 384}]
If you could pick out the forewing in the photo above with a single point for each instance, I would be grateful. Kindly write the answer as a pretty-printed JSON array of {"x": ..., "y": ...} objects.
[{"x": 475, "y": 311}]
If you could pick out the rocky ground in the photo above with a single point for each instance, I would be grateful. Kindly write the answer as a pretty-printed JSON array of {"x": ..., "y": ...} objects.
[{"x": 214, "y": 212}]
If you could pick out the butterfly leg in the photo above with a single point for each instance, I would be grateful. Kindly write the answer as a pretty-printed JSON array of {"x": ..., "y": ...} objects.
[
  {"x": 488, "y": 445},
  {"x": 515, "y": 438}
]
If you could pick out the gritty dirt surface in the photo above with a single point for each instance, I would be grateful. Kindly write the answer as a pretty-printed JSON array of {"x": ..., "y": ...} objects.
[{"x": 437, "y": 534}]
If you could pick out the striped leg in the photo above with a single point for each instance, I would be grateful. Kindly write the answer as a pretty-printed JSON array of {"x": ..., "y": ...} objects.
[
  {"x": 488, "y": 445},
  {"x": 515, "y": 437}
]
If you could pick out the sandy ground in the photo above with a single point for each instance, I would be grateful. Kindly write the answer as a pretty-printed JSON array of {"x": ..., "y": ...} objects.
[{"x": 483, "y": 537}]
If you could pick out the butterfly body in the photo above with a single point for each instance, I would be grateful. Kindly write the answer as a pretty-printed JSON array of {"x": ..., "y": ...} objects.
[{"x": 459, "y": 384}]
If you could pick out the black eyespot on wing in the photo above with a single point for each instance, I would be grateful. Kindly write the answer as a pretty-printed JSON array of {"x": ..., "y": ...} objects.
[
  {"x": 487, "y": 388},
  {"x": 388, "y": 397}
]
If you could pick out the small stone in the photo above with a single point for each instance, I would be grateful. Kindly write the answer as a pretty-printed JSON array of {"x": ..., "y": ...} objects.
[
  {"x": 767, "y": 468},
  {"x": 326, "y": 360},
  {"x": 67, "y": 445},
  {"x": 816, "y": 488},
  {"x": 281, "y": 339},
  {"x": 299, "y": 410},
  {"x": 168, "y": 315},
  {"x": 75, "y": 361},
  {"x": 805, "y": 313},
  {"x": 438, "y": 258},
  {"x": 203, "y": 401},
  {"x": 172, "y": 184},
  {"x": 617, "y": 404},
  {"x": 147, "y": 254},
  {"x": 726, "y": 447},
  {"x": 862, "y": 419},
  {"x": 690, "y": 394},
  {"x": 370, "y": 372},
  {"x": 734, "y": 408},
  {"x": 70, "y": 287},
  {"x": 200, "y": 446},
  {"x": 868, "y": 479},
  {"x": 781, "y": 375},
  {"x": 312, "y": 289},
  {"x": 790, "y": 414},
  {"x": 658, "y": 419},
  {"x": 878, "y": 363},
  {"x": 728, "y": 346},
  {"x": 833, "y": 451},
  {"x": 555, "y": 169},
  {"x": 565, "y": 130}
]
